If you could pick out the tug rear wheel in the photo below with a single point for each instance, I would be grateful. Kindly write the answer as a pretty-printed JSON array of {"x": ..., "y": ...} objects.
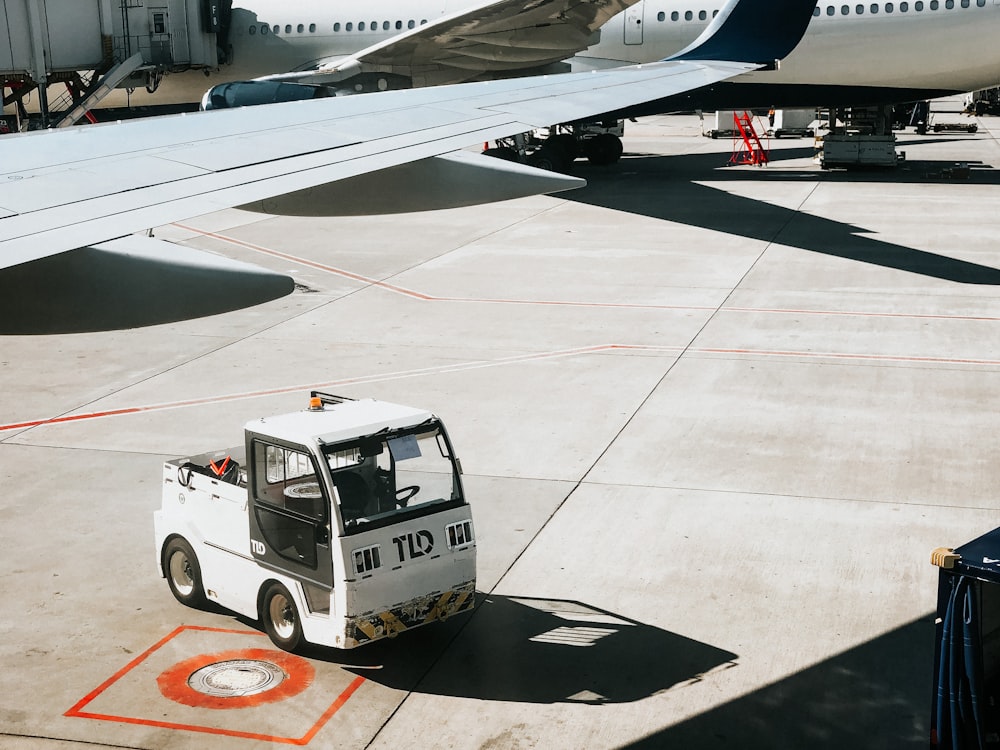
[{"x": 180, "y": 565}]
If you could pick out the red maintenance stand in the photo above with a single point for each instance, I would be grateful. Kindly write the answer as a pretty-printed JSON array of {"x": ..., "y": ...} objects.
[{"x": 747, "y": 146}]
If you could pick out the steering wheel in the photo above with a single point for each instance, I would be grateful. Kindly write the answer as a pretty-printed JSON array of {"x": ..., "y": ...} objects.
[{"x": 407, "y": 493}]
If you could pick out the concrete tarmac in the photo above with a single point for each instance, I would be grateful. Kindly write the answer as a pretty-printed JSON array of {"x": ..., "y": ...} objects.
[{"x": 712, "y": 419}]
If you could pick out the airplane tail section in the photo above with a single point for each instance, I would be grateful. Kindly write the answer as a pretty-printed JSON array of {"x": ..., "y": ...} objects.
[{"x": 752, "y": 31}]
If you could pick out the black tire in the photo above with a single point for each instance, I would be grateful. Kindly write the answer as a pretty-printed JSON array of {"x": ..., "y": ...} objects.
[
  {"x": 281, "y": 618},
  {"x": 180, "y": 566},
  {"x": 551, "y": 159},
  {"x": 604, "y": 149}
]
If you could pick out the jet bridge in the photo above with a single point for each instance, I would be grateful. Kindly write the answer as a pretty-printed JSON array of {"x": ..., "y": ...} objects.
[{"x": 75, "y": 44}]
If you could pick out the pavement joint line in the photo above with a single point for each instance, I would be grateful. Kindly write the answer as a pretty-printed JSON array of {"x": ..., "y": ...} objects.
[
  {"x": 776, "y": 495},
  {"x": 407, "y": 292},
  {"x": 480, "y": 364}
]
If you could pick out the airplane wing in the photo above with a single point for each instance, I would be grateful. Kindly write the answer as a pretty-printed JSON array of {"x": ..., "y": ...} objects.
[
  {"x": 61, "y": 190},
  {"x": 490, "y": 38}
]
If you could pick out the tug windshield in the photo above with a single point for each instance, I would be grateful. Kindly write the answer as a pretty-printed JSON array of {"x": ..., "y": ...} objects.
[{"x": 393, "y": 475}]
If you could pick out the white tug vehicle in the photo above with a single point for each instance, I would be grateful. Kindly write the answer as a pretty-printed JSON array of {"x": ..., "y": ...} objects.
[{"x": 337, "y": 525}]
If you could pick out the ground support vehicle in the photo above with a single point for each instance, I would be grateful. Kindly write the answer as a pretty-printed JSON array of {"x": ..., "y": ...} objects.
[
  {"x": 337, "y": 525},
  {"x": 852, "y": 149},
  {"x": 557, "y": 147},
  {"x": 955, "y": 127}
]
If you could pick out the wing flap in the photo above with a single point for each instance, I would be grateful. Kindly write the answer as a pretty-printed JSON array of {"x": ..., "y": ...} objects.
[{"x": 261, "y": 148}]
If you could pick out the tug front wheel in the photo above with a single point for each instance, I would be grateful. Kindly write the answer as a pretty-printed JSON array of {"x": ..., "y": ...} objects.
[{"x": 281, "y": 618}]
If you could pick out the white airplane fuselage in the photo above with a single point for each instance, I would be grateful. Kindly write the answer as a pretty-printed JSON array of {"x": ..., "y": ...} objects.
[
  {"x": 894, "y": 50},
  {"x": 943, "y": 46}
]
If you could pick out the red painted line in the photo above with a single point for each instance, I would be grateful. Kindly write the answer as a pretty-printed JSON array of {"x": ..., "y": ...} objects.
[
  {"x": 843, "y": 355},
  {"x": 300, "y": 741},
  {"x": 334, "y": 707},
  {"x": 69, "y": 418},
  {"x": 77, "y": 710},
  {"x": 310, "y": 263},
  {"x": 568, "y": 303},
  {"x": 189, "y": 728},
  {"x": 152, "y": 649},
  {"x": 859, "y": 314},
  {"x": 477, "y": 364}
]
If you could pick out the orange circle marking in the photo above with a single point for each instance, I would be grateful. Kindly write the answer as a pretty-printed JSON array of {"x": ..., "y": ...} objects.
[{"x": 174, "y": 685}]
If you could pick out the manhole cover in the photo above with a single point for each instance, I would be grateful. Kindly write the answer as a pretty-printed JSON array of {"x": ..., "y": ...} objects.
[{"x": 236, "y": 678}]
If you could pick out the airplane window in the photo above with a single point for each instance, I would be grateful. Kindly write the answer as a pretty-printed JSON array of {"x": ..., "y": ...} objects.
[
  {"x": 888, "y": 7},
  {"x": 918, "y": 5},
  {"x": 816, "y": 11},
  {"x": 980, "y": 3},
  {"x": 934, "y": 4},
  {"x": 399, "y": 25},
  {"x": 385, "y": 26},
  {"x": 949, "y": 4},
  {"x": 688, "y": 15},
  {"x": 252, "y": 30},
  {"x": 675, "y": 16},
  {"x": 312, "y": 28},
  {"x": 661, "y": 16},
  {"x": 410, "y": 24},
  {"x": 844, "y": 10},
  {"x": 830, "y": 10},
  {"x": 903, "y": 7},
  {"x": 264, "y": 29},
  {"x": 349, "y": 26},
  {"x": 702, "y": 15},
  {"x": 336, "y": 26},
  {"x": 361, "y": 26},
  {"x": 276, "y": 28},
  {"x": 288, "y": 28},
  {"x": 423, "y": 21},
  {"x": 873, "y": 8},
  {"x": 300, "y": 28},
  {"x": 859, "y": 9},
  {"x": 715, "y": 13},
  {"x": 374, "y": 26}
]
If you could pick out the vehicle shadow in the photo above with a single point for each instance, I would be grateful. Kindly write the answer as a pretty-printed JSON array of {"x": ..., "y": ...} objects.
[
  {"x": 536, "y": 651},
  {"x": 670, "y": 188}
]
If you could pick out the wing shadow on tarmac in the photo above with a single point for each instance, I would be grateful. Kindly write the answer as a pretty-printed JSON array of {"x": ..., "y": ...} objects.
[
  {"x": 537, "y": 651},
  {"x": 876, "y": 696},
  {"x": 664, "y": 187}
]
